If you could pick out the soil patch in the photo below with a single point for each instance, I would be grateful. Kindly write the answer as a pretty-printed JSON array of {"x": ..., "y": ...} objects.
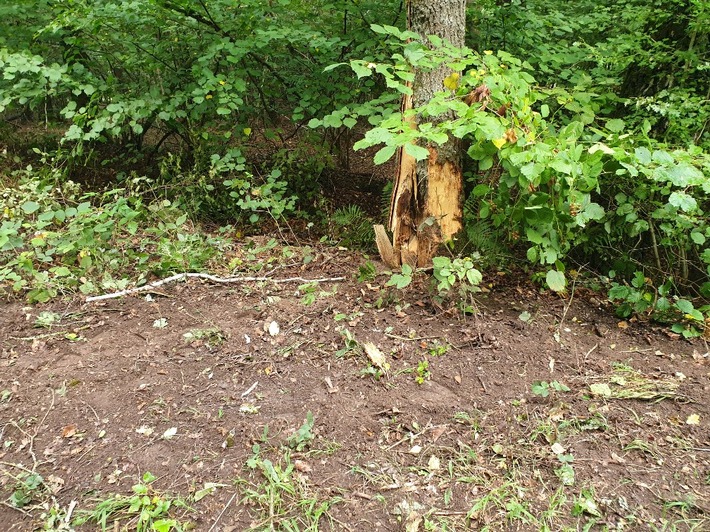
[{"x": 269, "y": 404}]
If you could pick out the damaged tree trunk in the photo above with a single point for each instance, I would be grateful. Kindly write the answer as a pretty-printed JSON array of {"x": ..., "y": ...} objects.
[{"x": 426, "y": 206}]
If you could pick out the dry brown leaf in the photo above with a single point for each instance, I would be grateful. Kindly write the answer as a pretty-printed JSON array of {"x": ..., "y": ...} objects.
[
  {"x": 68, "y": 431},
  {"x": 436, "y": 432}
]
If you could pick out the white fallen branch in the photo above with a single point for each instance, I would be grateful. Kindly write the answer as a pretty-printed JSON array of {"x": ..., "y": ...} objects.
[{"x": 222, "y": 280}]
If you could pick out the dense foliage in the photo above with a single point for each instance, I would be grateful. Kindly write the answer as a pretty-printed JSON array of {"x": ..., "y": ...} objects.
[{"x": 587, "y": 126}]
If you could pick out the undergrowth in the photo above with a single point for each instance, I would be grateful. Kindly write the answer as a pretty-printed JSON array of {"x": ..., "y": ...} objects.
[{"x": 57, "y": 238}]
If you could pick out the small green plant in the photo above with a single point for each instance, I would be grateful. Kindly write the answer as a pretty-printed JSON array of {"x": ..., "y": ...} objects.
[
  {"x": 459, "y": 276},
  {"x": 372, "y": 371},
  {"x": 211, "y": 337},
  {"x": 258, "y": 197},
  {"x": 585, "y": 504},
  {"x": 544, "y": 388},
  {"x": 302, "y": 438},
  {"x": 310, "y": 292},
  {"x": 29, "y": 486},
  {"x": 283, "y": 498},
  {"x": 367, "y": 272},
  {"x": 351, "y": 344},
  {"x": 47, "y": 319},
  {"x": 437, "y": 349},
  {"x": 565, "y": 472},
  {"x": 403, "y": 279},
  {"x": 353, "y": 228},
  {"x": 147, "y": 509},
  {"x": 422, "y": 372}
]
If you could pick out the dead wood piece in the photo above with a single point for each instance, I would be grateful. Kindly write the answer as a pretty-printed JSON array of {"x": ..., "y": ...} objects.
[{"x": 384, "y": 246}]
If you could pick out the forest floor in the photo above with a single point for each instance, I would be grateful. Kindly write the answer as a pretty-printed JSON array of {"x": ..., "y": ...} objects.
[{"x": 349, "y": 405}]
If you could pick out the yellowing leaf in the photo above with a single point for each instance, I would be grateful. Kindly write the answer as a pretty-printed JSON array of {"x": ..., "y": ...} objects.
[
  {"x": 602, "y": 389},
  {"x": 498, "y": 143},
  {"x": 693, "y": 419},
  {"x": 488, "y": 52},
  {"x": 376, "y": 356},
  {"x": 452, "y": 81}
]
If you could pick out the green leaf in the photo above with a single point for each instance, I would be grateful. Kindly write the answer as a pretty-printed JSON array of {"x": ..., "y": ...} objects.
[
  {"x": 556, "y": 280},
  {"x": 643, "y": 155},
  {"x": 594, "y": 211},
  {"x": 663, "y": 157},
  {"x": 683, "y": 175},
  {"x": 361, "y": 69},
  {"x": 334, "y": 66},
  {"x": 545, "y": 110},
  {"x": 615, "y": 125},
  {"x": 685, "y": 306},
  {"x": 384, "y": 154},
  {"x": 532, "y": 254},
  {"x": 697, "y": 237},
  {"x": 418, "y": 152},
  {"x": 683, "y": 201},
  {"x": 30, "y": 207},
  {"x": 618, "y": 291},
  {"x": 540, "y": 388},
  {"x": 485, "y": 164}
]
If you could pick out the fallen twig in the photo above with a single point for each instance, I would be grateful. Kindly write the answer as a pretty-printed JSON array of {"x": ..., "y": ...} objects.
[
  {"x": 251, "y": 389},
  {"x": 213, "y": 278},
  {"x": 222, "y": 513}
]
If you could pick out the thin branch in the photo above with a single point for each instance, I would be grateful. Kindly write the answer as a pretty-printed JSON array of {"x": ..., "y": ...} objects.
[{"x": 214, "y": 279}]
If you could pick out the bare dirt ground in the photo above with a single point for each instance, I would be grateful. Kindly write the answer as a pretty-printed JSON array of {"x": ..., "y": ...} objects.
[{"x": 266, "y": 406}]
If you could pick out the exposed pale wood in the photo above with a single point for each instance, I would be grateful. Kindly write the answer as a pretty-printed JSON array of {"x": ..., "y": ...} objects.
[{"x": 384, "y": 246}]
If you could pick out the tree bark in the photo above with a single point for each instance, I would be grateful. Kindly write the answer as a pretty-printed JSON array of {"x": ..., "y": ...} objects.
[{"x": 426, "y": 206}]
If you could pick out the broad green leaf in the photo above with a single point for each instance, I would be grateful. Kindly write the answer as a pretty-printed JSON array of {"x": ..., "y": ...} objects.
[
  {"x": 663, "y": 157},
  {"x": 685, "y": 306},
  {"x": 643, "y": 155},
  {"x": 683, "y": 201},
  {"x": 556, "y": 280},
  {"x": 615, "y": 125},
  {"x": 418, "y": 152},
  {"x": 561, "y": 166},
  {"x": 594, "y": 211},
  {"x": 30, "y": 207},
  {"x": 384, "y": 154},
  {"x": 683, "y": 175},
  {"x": 485, "y": 164},
  {"x": 600, "y": 146},
  {"x": 697, "y": 237},
  {"x": 361, "y": 69}
]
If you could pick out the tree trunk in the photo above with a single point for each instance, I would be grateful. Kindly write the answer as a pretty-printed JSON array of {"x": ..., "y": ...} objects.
[{"x": 426, "y": 207}]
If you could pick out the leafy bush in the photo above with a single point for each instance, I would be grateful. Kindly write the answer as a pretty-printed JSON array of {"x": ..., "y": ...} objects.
[
  {"x": 55, "y": 239},
  {"x": 553, "y": 169}
]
